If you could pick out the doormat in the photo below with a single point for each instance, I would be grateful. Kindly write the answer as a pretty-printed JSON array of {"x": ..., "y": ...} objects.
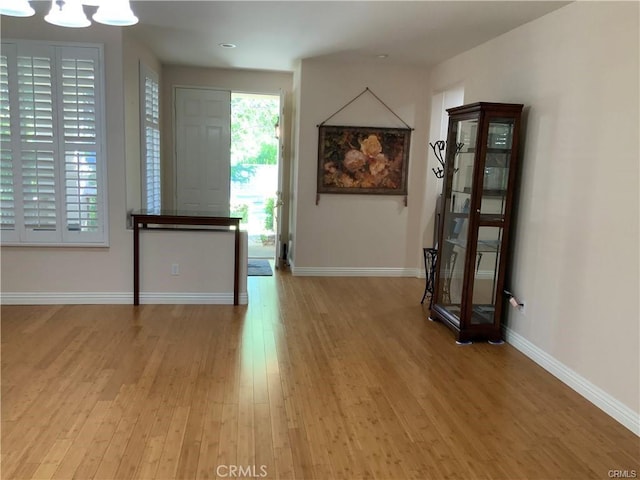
[{"x": 259, "y": 267}]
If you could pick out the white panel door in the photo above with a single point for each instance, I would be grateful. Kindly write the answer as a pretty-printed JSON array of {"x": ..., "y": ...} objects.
[{"x": 203, "y": 150}]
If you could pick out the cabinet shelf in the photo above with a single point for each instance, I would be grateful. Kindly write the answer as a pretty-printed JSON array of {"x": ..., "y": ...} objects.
[
  {"x": 483, "y": 246},
  {"x": 488, "y": 192},
  {"x": 472, "y": 150}
]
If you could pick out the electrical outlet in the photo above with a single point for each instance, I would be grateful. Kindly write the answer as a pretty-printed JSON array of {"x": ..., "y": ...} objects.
[
  {"x": 518, "y": 306},
  {"x": 516, "y": 303},
  {"x": 175, "y": 269}
]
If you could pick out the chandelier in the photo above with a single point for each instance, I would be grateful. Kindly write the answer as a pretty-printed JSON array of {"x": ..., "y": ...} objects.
[{"x": 70, "y": 13}]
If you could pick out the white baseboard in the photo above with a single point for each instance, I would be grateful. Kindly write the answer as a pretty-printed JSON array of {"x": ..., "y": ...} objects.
[
  {"x": 115, "y": 298},
  {"x": 613, "y": 407},
  {"x": 353, "y": 272}
]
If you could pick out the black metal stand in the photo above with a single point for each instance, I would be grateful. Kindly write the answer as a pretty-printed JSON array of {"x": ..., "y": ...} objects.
[{"x": 430, "y": 261}]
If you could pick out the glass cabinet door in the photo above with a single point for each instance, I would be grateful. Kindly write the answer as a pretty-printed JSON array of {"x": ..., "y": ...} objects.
[
  {"x": 495, "y": 180},
  {"x": 496, "y": 167},
  {"x": 485, "y": 277},
  {"x": 457, "y": 207}
]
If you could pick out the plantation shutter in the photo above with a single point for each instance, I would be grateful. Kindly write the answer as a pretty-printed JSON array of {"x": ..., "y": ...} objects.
[
  {"x": 151, "y": 187},
  {"x": 79, "y": 142},
  {"x": 7, "y": 190},
  {"x": 38, "y": 148},
  {"x": 52, "y": 178}
]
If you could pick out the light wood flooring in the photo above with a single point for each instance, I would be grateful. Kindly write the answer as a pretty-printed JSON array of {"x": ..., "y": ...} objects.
[{"x": 318, "y": 378}]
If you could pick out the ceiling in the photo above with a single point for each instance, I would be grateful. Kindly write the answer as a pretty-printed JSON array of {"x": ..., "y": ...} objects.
[{"x": 275, "y": 35}]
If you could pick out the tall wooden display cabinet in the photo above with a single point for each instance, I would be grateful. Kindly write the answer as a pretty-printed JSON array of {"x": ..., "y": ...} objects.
[{"x": 478, "y": 190}]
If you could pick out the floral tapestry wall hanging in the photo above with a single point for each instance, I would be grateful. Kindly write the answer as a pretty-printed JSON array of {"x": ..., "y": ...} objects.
[{"x": 363, "y": 160}]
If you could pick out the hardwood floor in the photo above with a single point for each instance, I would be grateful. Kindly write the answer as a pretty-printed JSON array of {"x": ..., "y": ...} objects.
[{"x": 318, "y": 378}]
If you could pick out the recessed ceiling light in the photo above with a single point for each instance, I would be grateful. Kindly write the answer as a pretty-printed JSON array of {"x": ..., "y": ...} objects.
[
  {"x": 227, "y": 45},
  {"x": 382, "y": 55}
]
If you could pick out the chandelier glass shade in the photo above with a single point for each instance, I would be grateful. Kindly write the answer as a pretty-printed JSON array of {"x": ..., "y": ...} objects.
[
  {"x": 16, "y": 8},
  {"x": 115, "y": 12},
  {"x": 70, "y": 13},
  {"x": 67, "y": 14}
]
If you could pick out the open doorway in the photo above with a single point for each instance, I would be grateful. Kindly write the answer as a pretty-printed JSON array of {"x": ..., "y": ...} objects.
[{"x": 254, "y": 169}]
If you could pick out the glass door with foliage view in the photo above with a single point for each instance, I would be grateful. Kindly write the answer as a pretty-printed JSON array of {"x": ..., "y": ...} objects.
[{"x": 254, "y": 168}]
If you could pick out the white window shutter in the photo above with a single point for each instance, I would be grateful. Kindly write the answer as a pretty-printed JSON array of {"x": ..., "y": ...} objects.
[
  {"x": 38, "y": 148},
  {"x": 52, "y": 175},
  {"x": 7, "y": 190},
  {"x": 150, "y": 128},
  {"x": 79, "y": 78}
]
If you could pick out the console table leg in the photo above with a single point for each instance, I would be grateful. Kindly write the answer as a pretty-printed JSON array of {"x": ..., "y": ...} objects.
[
  {"x": 236, "y": 273},
  {"x": 136, "y": 264}
]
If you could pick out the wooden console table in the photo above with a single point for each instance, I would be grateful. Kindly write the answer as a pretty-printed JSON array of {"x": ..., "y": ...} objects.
[{"x": 143, "y": 218}]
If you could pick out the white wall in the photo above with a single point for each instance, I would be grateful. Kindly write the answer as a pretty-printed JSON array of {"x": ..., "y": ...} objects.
[
  {"x": 359, "y": 234},
  {"x": 453, "y": 96},
  {"x": 134, "y": 53},
  {"x": 206, "y": 266},
  {"x": 576, "y": 243},
  {"x": 35, "y": 269},
  {"x": 293, "y": 178},
  {"x": 105, "y": 275}
]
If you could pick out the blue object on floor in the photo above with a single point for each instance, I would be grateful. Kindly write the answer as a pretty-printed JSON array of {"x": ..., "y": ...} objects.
[{"x": 259, "y": 267}]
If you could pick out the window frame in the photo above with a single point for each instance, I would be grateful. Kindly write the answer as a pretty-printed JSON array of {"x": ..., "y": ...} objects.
[{"x": 62, "y": 236}]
